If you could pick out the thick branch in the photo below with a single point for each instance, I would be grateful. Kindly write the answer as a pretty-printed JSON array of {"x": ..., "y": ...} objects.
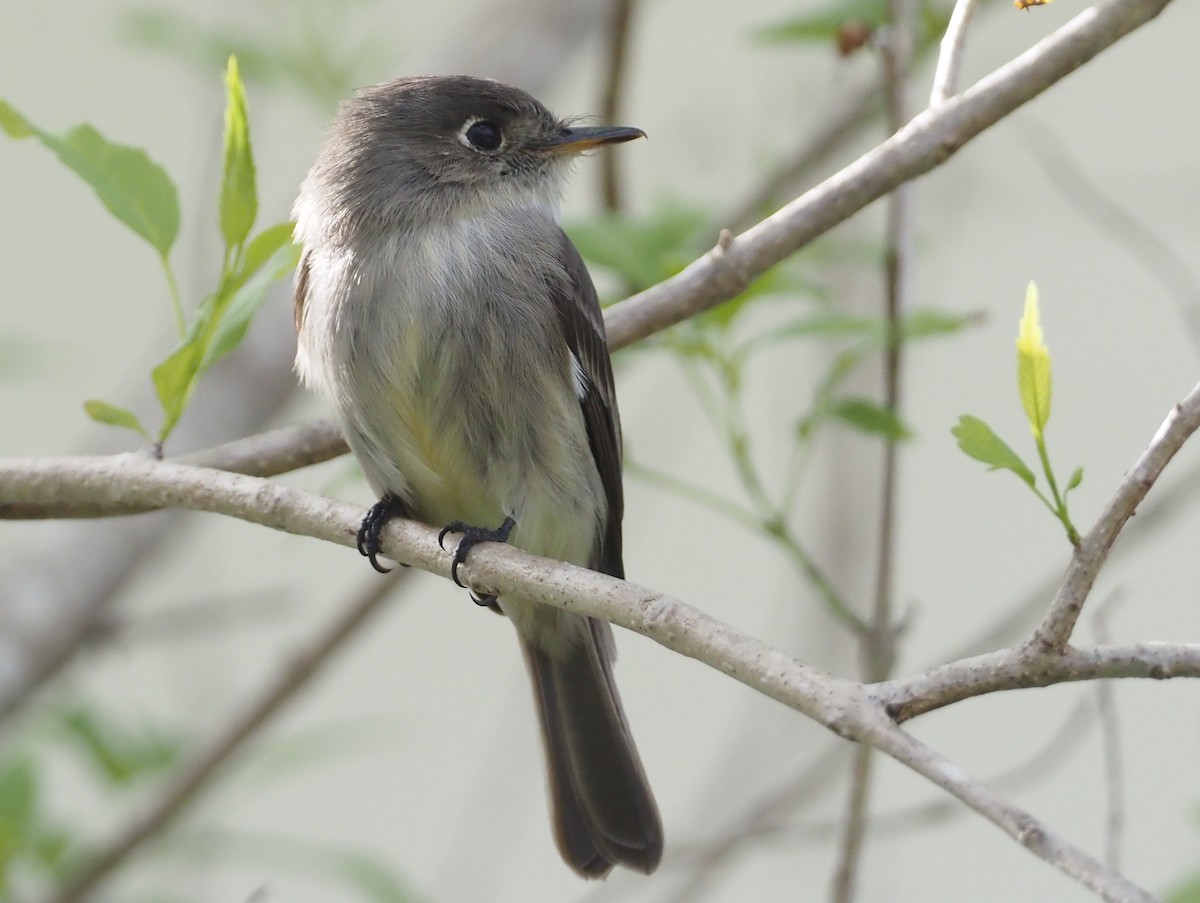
[
  {"x": 262, "y": 455},
  {"x": 848, "y": 709}
]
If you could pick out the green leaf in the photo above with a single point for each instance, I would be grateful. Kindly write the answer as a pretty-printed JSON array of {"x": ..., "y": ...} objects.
[
  {"x": 642, "y": 251},
  {"x": 175, "y": 378},
  {"x": 781, "y": 282},
  {"x": 239, "y": 195},
  {"x": 221, "y": 322},
  {"x": 1187, "y": 892},
  {"x": 827, "y": 325},
  {"x": 918, "y": 324},
  {"x": 281, "y": 757},
  {"x": 869, "y": 417},
  {"x": 1033, "y": 365},
  {"x": 18, "y": 797},
  {"x": 1076, "y": 479},
  {"x": 119, "y": 755},
  {"x": 14, "y": 124},
  {"x": 824, "y": 24},
  {"x": 262, "y": 246},
  {"x": 111, "y": 415},
  {"x": 133, "y": 188},
  {"x": 691, "y": 343},
  {"x": 18, "y": 814},
  {"x": 52, "y": 848},
  {"x": 927, "y": 323},
  {"x": 245, "y": 302},
  {"x": 978, "y": 440},
  {"x": 823, "y": 398},
  {"x": 301, "y": 59}
]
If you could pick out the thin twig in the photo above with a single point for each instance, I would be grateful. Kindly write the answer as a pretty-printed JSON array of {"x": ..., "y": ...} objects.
[
  {"x": 1021, "y": 826},
  {"x": 188, "y": 786},
  {"x": 1110, "y": 732},
  {"x": 897, "y": 58},
  {"x": 196, "y": 618},
  {"x": 1025, "y": 668},
  {"x": 849, "y": 117},
  {"x": 767, "y": 810},
  {"x": 931, "y": 138},
  {"x": 614, "y": 90},
  {"x": 1101, "y": 210},
  {"x": 1055, "y": 630},
  {"x": 1038, "y": 768},
  {"x": 1155, "y": 514},
  {"x": 879, "y": 643},
  {"x": 853, "y": 827},
  {"x": 945, "y": 76}
]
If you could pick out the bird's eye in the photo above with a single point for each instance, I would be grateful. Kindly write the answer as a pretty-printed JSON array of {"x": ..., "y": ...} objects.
[{"x": 482, "y": 135}]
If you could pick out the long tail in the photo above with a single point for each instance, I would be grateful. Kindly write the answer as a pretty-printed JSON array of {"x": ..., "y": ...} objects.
[{"x": 604, "y": 813}]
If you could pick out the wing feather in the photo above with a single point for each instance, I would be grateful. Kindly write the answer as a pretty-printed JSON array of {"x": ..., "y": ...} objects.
[{"x": 582, "y": 325}]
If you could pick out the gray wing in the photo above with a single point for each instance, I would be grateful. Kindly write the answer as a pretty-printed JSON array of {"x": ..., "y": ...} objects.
[{"x": 582, "y": 326}]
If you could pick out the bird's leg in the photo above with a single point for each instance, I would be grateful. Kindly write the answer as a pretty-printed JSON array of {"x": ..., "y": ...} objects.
[
  {"x": 388, "y": 507},
  {"x": 471, "y": 537}
]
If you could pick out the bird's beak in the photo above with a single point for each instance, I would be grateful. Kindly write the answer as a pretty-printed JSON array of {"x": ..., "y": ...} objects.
[{"x": 578, "y": 140}]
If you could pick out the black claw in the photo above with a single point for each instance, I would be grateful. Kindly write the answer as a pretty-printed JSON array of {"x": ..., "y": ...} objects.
[
  {"x": 388, "y": 507},
  {"x": 471, "y": 537},
  {"x": 455, "y": 526},
  {"x": 487, "y": 600}
]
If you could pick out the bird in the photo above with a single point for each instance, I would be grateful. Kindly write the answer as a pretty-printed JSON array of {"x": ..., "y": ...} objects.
[{"x": 456, "y": 333}]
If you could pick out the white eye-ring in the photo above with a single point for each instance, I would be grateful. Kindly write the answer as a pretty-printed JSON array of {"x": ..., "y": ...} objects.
[{"x": 481, "y": 134}]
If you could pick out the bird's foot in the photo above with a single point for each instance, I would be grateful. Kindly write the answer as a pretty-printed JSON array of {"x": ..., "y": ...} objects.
[
  {"x": 471, "y": 537},
  {"x": 384, "y": 510}
]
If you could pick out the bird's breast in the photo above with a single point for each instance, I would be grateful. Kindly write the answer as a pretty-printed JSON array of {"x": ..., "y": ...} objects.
[{"x": 455, "y": 384}]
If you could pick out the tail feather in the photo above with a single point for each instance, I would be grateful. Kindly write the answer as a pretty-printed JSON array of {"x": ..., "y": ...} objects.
[{"x": 604, "y": 812}]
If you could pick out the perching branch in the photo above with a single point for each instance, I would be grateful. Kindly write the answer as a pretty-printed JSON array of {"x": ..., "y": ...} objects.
[
  {"x": 867, "y": 714},
  {"x": 851, "y": 710},
  {"x": 261, "y": 455}
]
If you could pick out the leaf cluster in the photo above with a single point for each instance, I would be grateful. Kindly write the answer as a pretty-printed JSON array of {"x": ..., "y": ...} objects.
[
  {"x": 38, "y": 846},
  {"x": 717, "y": 349},
  {"x": 139, "y": 193},
  {"x": 1035, "y": 386}
]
